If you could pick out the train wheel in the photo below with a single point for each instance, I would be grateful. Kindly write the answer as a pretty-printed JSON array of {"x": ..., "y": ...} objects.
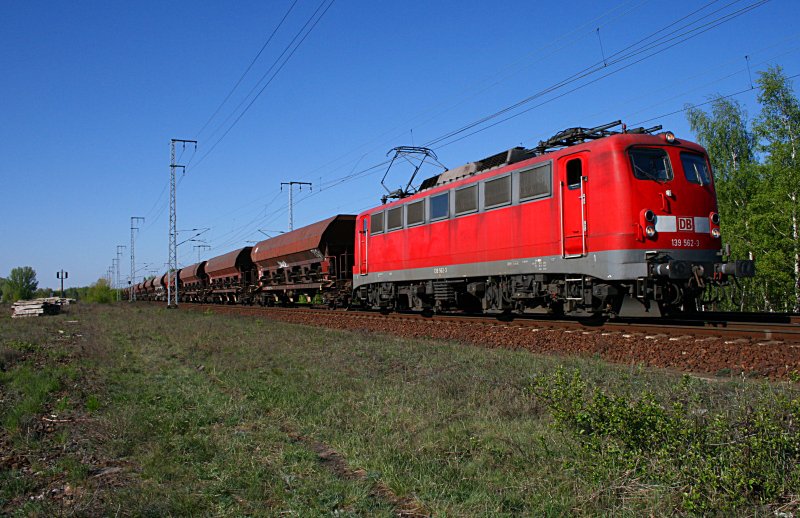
[
  {"x": 556, "y": 309},
  {"x": 506, "y": 316}
]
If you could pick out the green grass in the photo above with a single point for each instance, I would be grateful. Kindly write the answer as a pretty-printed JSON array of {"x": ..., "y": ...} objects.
[
  {"x": 205, "y": 411},
  {"x": 27, "y": 389}
]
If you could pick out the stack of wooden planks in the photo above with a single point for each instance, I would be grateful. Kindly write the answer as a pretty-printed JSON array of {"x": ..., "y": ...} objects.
[{"x": 36, "y": 307}]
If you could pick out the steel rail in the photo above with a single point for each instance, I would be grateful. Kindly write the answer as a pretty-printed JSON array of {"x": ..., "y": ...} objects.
[{"x": 767, "y": 328}]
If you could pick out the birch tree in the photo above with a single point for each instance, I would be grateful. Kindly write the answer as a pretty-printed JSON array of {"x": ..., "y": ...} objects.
[
  {"x": 731, "y": 147},
  {"x": 778, "y": 130}
]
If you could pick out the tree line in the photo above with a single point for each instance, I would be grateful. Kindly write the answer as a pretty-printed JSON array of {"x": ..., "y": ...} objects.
[
  {"x": 21, "y": 284},
  {"x": 757, "y": 180}
]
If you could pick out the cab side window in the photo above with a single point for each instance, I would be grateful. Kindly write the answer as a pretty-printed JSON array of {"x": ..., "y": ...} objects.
[{"x": 574, "y": 173}]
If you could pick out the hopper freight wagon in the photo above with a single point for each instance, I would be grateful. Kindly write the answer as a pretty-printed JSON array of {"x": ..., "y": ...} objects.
[
  {"x": 194, "y": 283},
  {"x": 230, "y": 278},
  {"x": 310, "y": 265}
]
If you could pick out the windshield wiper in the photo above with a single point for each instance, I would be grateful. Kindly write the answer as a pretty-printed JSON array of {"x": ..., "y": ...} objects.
[
  {"x": 648, "y": 175},
  {"x": 698, "y": 175}
]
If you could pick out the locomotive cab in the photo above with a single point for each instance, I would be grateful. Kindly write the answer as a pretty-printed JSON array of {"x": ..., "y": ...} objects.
[{"x": 675, "y": 216}]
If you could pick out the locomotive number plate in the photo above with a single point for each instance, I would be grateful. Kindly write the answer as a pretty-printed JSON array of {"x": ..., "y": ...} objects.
[
  {"x": 686, "y": 243},
  {"x": 438, "y": 271}
]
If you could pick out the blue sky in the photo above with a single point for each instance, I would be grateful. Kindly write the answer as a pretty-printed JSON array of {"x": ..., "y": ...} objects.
[{"x": 92, "y": 92}]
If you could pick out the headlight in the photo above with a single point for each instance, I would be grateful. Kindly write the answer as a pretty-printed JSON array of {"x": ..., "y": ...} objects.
[
  {"x": 714, "y": 218},
  {"x": 715, "y": 232},
  {"x": 649, "y": 216},
  {"x": 650, "y": 231},
  {"x": 669, "y": 137}
]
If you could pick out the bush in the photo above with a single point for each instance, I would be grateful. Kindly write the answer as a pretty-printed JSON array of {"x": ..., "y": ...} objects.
[
  {"x": 100, "y": 292},
  {"x": 718, "y": 462}
]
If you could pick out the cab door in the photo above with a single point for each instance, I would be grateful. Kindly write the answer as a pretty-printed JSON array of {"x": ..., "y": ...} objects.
[
  {"x": 572, "y": 179},
  {"x": 363, "y": 246}
]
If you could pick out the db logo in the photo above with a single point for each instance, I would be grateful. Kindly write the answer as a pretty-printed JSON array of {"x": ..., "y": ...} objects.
[{"x": 686, "y": 224}]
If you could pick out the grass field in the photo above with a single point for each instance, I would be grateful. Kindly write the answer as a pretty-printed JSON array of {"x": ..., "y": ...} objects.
[{"x": 125, "y": 411}]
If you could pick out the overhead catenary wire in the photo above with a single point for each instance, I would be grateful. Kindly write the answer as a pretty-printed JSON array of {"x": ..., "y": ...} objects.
[
  {"x": 376, "y": 168},
  {"x": 575, "y": 77},
  {"x": 280, "y": 65},
  {"x": 597, "y": 67},
  {"x": 658, "y": 45},
  {"x": 562, "y": 42},
  {"x": 594, "y": 67},
  {"x": 619, "y": 57},
  {"x": 247, "y": 70},
  {"x": 237, "y": 233},
  {"x": 565, "y": 37},
  {"x": 709, "y": 101},
  {"x": 674, "y": 93}
]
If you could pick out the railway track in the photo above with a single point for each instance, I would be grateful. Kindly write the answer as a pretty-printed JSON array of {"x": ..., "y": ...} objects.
[
  {"x": 717, "y": 346},
  {"x": 756, "y": 327}
]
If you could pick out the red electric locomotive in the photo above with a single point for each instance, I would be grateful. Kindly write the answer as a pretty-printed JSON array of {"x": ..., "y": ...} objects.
[{"x": 580, "y": 224}]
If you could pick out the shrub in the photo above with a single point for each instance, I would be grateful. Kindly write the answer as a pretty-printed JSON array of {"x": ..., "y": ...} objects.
[
  {"x": 100, "y": 292},
  {"x": 718, "y": 462}
]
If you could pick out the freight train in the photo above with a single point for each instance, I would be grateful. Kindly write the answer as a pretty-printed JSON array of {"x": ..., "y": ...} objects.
[{"x": 591, "y": 221}]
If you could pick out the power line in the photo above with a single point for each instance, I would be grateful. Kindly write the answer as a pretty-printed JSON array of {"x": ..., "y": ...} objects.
[
  {"x": 599, "y": 66},
  {"x": 373, "y": 169},
  {"x": 651, "y": 94},
  {"x": 568, "y": 36},
  {"x": 235, "y": 86},
  {"x": 491, "y": 80},
  {"x": 716, "y": 98},
  {"x": 658, "y": 45},
  {"x": 272, "y": 78},
  {"x": 688, "y": 35}
]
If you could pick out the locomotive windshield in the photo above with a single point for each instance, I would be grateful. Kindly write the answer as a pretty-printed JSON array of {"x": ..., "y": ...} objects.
[
  {"x": 695, "y": 168},
  {"x": 651, "y": 164}
]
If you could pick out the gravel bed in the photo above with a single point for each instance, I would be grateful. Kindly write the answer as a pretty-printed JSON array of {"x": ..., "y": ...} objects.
[{"x": 698, "y": 354}]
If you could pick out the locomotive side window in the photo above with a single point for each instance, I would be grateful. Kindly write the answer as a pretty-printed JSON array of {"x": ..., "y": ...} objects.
[
  {"x": 415, "y": 213},
  {"x": 440, "y": 206},
  {"x": 376, "y": 223},
  {"x": 651, "y": 164},
  {"x": 574, "y": 174},
  {"x": 394, "y": 218},
  {"x": 497, "y": 192},
  {"x": 695, "y": 168},
  {"x": 535, "y": 183},
  {"x": 467, "y": 200}
]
